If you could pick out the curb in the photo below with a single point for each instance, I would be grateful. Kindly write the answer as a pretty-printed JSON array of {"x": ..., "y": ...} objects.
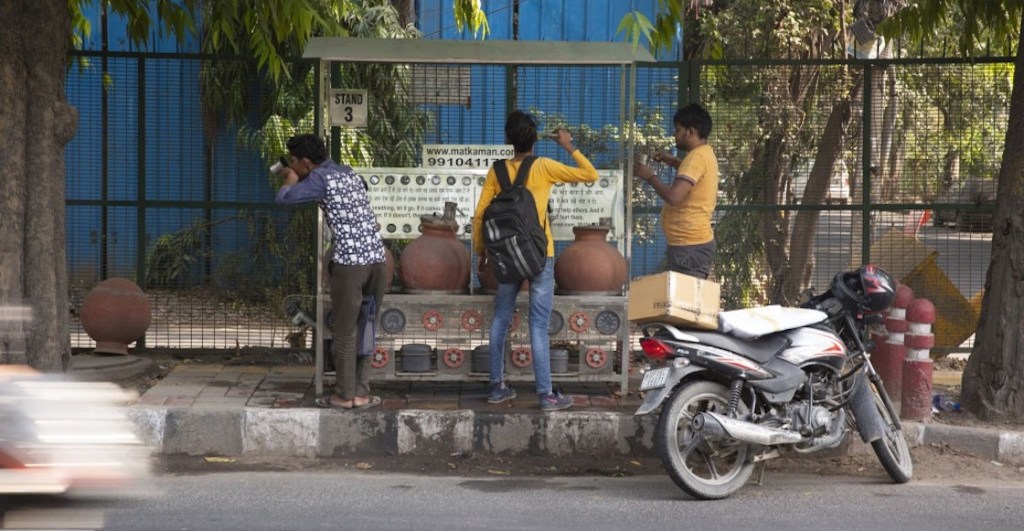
[
  {"x": 422, "y": 432},
  {"x": 291, "y": 432}
]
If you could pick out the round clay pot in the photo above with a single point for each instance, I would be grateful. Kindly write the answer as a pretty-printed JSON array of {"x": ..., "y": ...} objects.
[
  {"x": 489, "y": 282},
  {"x": 115, "y": 313},
  {"x": 437, "y": 260},
  {"x": 389, "y": 269},
  {"x": 590, "y": 264}
]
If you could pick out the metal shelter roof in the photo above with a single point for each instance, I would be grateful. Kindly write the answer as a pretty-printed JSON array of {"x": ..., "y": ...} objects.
[{"x": 350, "y": 49}]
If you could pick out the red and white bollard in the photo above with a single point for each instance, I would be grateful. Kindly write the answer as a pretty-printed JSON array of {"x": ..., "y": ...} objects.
[
  {"x": 890, "y": 353},
  {"x": 916, "y": 403}
]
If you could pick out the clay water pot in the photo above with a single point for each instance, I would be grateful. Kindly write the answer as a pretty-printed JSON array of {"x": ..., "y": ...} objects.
[
  {"x": 489, "y": 282},
  {"x": 436, "y": 260},
  {"x": 590, "y": 264},
  {"x": 115, "y": 313},
  {"x": 389, "y": 269}
]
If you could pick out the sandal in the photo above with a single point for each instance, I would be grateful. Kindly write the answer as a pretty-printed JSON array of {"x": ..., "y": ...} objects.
[
  {"x": 373, "y": 401},
  {"x": 327, "y": 402}
]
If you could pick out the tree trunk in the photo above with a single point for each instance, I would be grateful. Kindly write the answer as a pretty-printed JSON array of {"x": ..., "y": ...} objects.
[
  {"x": 993, "y": 382},
  {"x": 767, "y": 169},
  {"x": 37, "y": 124},
  {"x": 885, "y": 171},
  {"x": 805, "y": 227}
]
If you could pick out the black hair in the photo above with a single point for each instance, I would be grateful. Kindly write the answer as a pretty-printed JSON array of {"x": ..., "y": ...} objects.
[
  {"x": 521, "y": 131},
  {"x": 308, "y": 146},
  {"x": 695, "y": 116}
]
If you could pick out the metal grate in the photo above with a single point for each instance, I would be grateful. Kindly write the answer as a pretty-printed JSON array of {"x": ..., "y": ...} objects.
[{"x": 147, "y": 166}]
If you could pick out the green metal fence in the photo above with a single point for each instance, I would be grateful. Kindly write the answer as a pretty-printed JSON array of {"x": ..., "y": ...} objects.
[{"x": 162, "y": 192}]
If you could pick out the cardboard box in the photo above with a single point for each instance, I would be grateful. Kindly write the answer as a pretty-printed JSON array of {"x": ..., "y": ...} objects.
[{"x": 675, "y": 298}]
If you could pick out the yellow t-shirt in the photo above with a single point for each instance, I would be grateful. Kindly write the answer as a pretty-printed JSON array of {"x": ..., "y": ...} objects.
[
  {"x": 544, "y": 173},
  {"x": 689, "y": 223}
]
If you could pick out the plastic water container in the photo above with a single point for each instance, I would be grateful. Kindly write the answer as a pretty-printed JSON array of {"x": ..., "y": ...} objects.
[
  {"x": 481, "y": 361},
  {"x": 416, "y": 357},
  {"x": 559, "y": 360}
]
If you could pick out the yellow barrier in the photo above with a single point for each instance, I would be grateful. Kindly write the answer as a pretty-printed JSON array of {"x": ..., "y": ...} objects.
[{"x": 916, "y": 265}]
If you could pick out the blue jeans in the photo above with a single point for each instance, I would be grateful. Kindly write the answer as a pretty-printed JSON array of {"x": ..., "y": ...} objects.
[{"x": 542, "y": 294}]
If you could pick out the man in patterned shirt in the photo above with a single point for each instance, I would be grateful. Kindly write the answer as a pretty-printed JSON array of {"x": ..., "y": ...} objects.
[{"x": 357, "y": 264}]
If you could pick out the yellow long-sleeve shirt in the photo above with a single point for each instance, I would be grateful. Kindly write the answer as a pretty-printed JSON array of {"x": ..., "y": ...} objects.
[{"x": 544, "y": 173}]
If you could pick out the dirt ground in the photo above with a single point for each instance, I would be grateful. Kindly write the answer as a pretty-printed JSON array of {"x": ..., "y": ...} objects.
[{"x": 931, "y": 462}]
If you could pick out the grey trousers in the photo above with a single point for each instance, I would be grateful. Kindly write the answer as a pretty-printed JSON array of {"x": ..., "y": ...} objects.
[
  {"x": 693, "y": 260},
  {"x": 348, "y": 286}
]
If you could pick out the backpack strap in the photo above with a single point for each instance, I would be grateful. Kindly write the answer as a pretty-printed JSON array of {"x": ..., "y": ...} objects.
[
  {"x": 524, "y": 170},
  {"x": 501, "y": 172}
]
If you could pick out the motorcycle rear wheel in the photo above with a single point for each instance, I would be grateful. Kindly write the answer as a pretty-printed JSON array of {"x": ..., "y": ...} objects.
[
  {"x": 892, "y": 449},
  {"x": 713, "y": 469}
]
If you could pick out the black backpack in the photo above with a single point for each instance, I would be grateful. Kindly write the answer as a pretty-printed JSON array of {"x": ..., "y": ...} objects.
[{"x": 514, "y": 239}]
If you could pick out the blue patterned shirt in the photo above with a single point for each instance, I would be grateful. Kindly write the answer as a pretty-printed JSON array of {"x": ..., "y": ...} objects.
[{"x": 346, "y": 205}]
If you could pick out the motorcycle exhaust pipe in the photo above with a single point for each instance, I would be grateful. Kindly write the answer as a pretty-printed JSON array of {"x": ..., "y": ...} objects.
[{"x": 713, "y": 426}]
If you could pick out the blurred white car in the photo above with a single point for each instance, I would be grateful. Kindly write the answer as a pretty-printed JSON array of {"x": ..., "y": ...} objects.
[{"x": 838, "y": 187}]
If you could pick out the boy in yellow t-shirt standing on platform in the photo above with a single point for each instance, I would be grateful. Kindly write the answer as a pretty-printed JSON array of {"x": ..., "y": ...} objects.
[{"x": 691, "y": 198}]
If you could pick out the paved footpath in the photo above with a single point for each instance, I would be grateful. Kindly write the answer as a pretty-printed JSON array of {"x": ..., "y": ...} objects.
[{"x": 256, "y": 410}]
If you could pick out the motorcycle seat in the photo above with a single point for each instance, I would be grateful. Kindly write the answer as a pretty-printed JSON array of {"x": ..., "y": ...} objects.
[
  {"x": 760, "y": 350},
  {"x": 752, "y": 323}
]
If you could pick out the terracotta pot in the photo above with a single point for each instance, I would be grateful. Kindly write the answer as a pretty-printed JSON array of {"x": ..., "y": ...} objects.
[
  {"x": 590, "y": 264},
  {"x": 389, "y": 269},
  {"x": 437, "y": 260},
  {"x": 115, "y": 313},
  {"x": 489, "y": 282}
]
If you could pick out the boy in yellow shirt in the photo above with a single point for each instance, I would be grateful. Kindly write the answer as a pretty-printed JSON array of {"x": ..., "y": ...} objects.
[
  {"x": 692, "y": 196},
  {"x": 521, "y": 132}
]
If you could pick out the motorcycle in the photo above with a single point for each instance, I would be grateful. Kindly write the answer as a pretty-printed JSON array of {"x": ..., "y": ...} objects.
[{"x": 771, "y": 382}]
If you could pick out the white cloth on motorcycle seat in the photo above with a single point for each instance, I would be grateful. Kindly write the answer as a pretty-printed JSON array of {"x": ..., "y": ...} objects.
[{"x": 752, "y": 323}]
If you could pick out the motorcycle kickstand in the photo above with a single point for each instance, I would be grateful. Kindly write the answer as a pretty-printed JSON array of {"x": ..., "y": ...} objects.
[
  {"x": 759, "y": 474},
  {"x": 760, "y": 462}
]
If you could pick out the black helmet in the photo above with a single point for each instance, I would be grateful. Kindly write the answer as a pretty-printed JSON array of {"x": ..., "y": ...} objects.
[{"x": 865, "y": 291}]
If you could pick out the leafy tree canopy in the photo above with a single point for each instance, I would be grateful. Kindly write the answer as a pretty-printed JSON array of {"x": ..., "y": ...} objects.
[{"x": 980, "y": 22}]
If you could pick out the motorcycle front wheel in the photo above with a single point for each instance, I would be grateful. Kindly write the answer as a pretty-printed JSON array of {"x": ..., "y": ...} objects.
[
  {"x": 892, "y": 449},
  {"x": 704, "y": 469}
]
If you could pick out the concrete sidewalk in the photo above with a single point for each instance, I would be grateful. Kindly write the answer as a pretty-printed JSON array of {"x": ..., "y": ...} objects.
[{"x": 255, "y": 410}]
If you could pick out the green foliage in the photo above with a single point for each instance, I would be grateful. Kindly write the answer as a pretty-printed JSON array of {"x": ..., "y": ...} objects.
[
  {"x": 660, "y": 35},
  {"x": 171, "y": 256},
  {"x": 275, "y": 265},
  {"x": 740, "y": 265},
  {"x": 468, "y": 14},
  {"x": 962, "y": 110},
  {"x": 176, "y": 17},
  {"x": 635, "y": 25},
  {"x": 975, "y": 23},
  {"x": 395, "y": 126},
  {"x": 754, "y": 29}
]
